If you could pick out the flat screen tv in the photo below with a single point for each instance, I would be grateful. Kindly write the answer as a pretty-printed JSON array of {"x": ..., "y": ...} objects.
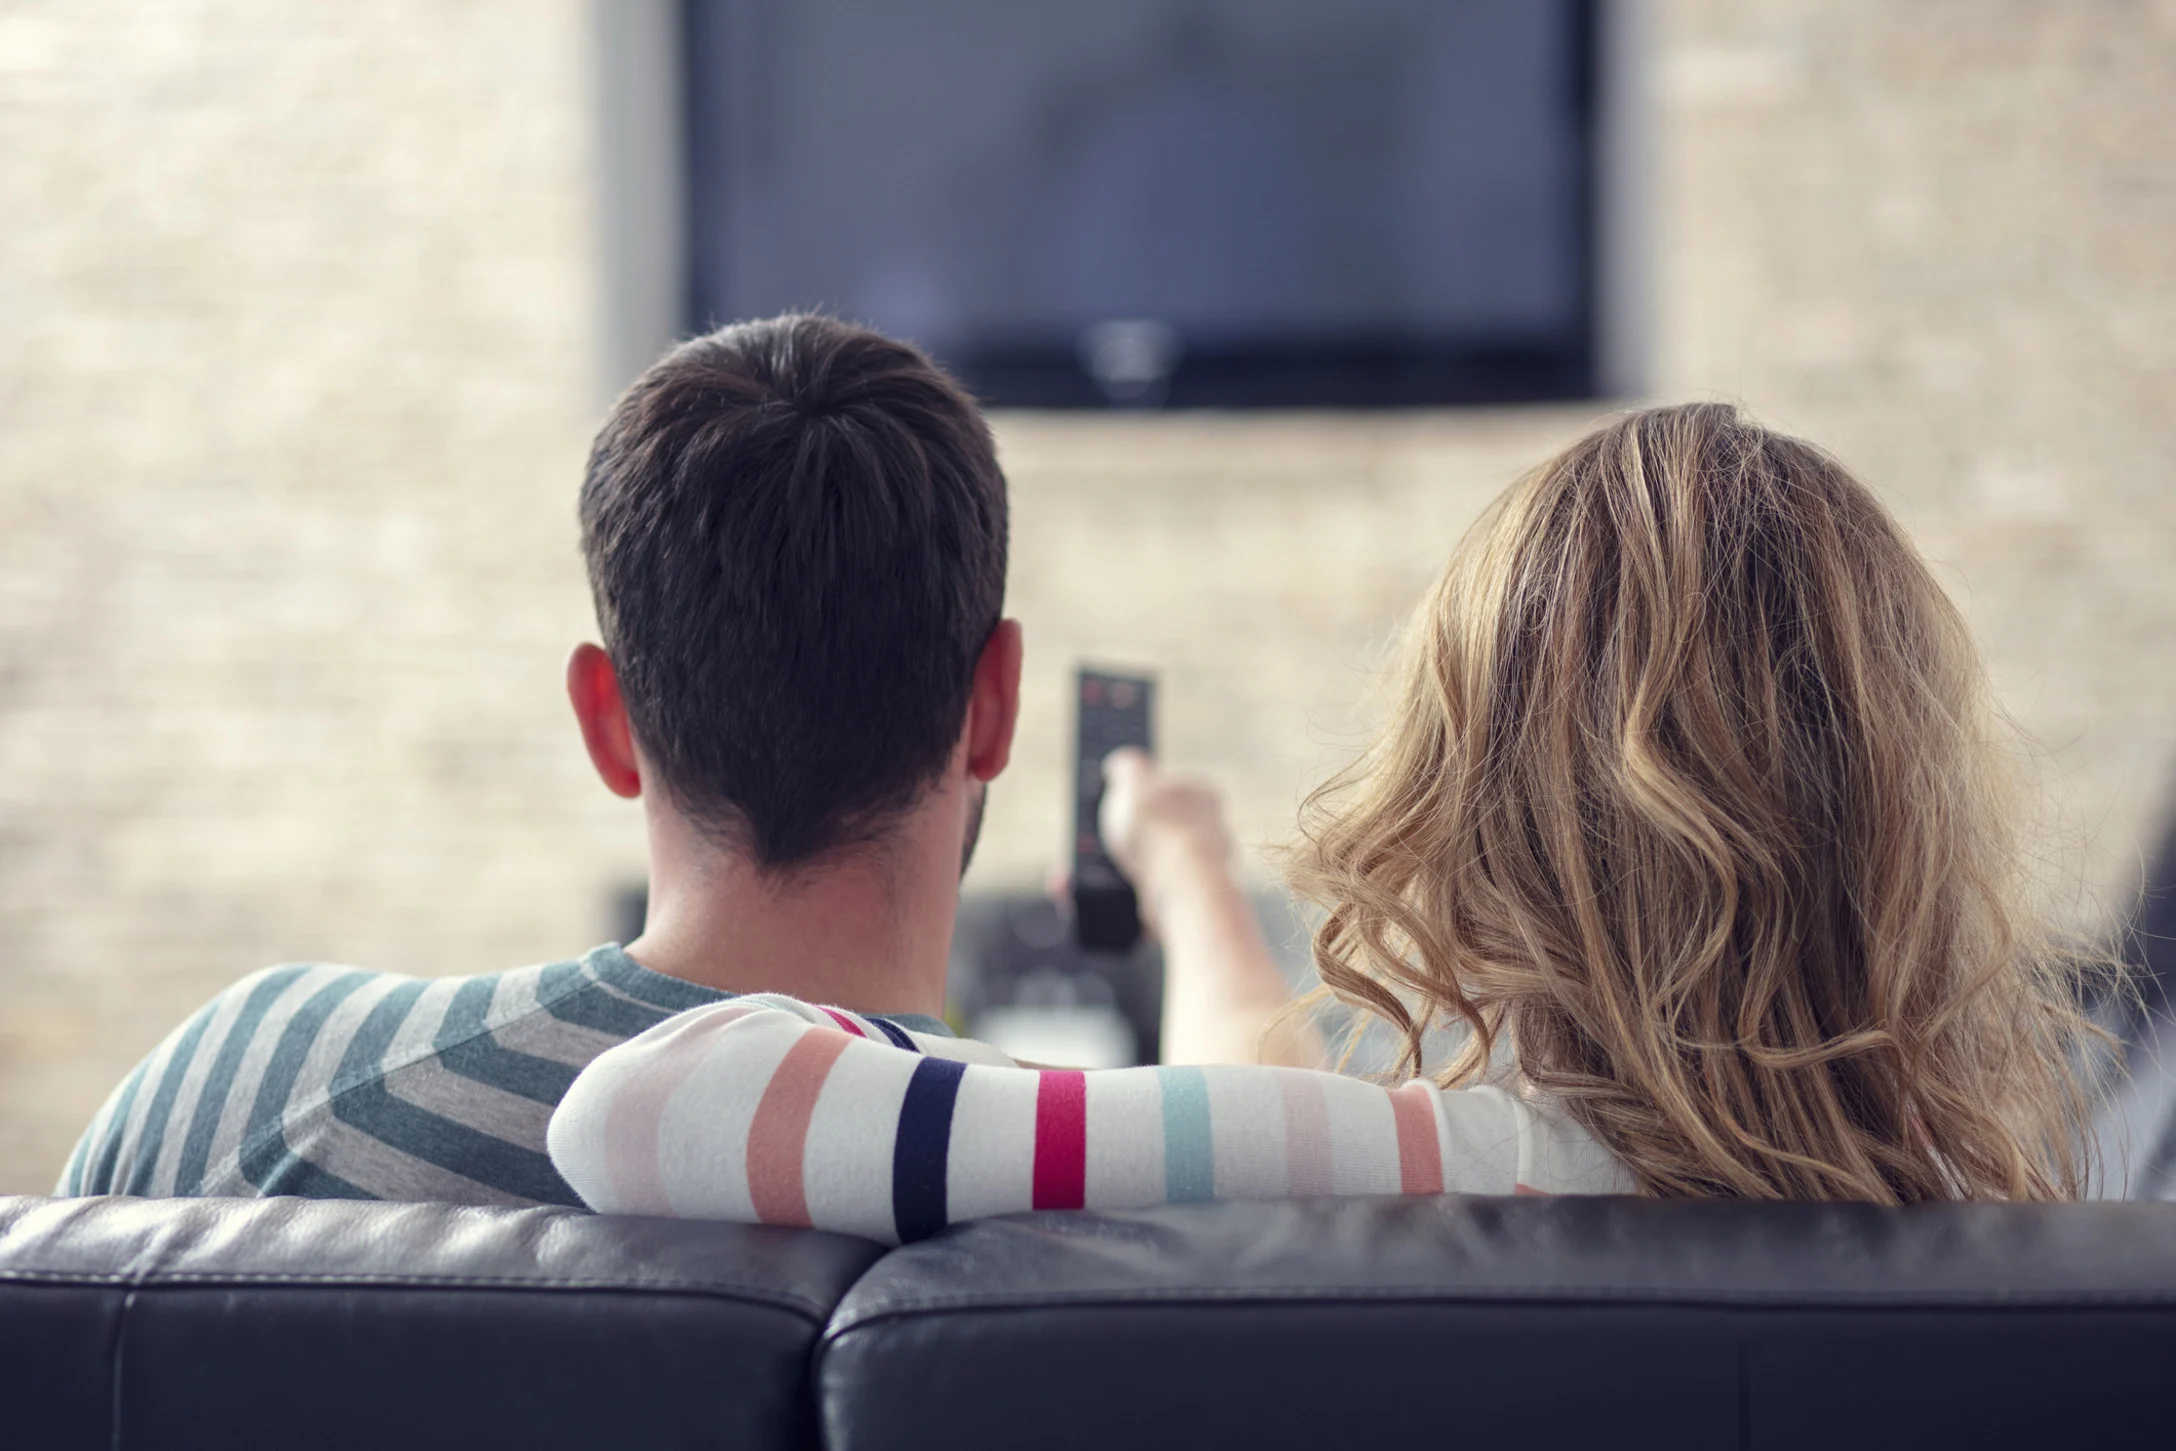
[{"x": 1176, "y": 203}]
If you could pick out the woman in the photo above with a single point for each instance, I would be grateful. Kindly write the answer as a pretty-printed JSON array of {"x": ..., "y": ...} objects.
[{"x": 1688, "y": 822}]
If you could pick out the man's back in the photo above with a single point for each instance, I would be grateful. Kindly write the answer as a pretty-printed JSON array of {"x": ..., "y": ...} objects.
[
  {"x": 795, "y": 533},
  {"x": 338, "y": 1083}
]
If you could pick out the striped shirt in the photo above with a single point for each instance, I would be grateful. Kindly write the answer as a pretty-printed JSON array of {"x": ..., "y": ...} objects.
[
  {"x": 336, "y": 1083},
  {"x": 769, "y": 1111}
]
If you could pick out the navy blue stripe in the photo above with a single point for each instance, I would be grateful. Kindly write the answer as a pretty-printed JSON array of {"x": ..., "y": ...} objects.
[
  {"x": 109, "y": 1150},
  {"x": 212, "y": 1102},
  {"x": 923, "y": 1147},
  {"x": 263, "y": 1143},
  {"x": 897, "y": 1034},
  {"x": 146, "y": 1157}
]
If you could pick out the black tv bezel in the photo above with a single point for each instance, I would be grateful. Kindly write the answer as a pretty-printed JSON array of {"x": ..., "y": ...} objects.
[{"x": 1355, "y": 373}]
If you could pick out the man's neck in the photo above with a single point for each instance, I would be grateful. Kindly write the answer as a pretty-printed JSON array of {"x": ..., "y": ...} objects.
[{"x": 871, "y": 931}]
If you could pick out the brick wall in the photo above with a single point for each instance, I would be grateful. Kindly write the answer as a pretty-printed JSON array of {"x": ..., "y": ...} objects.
[
  {"x": 295, "y": 380},
  {"x": 296, "y": 362}
]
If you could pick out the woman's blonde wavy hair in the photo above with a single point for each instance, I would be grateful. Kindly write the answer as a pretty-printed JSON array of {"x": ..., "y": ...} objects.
[{"x": 1695, "y": 795}]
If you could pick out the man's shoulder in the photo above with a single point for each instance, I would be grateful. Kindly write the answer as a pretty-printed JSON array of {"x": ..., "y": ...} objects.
[
  {"x": 384, "y": 1020},
  {"x": 337, "y": 1081}
]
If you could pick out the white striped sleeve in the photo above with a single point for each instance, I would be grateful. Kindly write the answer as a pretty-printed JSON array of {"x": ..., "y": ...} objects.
[{"x": 772, "y": 1111}]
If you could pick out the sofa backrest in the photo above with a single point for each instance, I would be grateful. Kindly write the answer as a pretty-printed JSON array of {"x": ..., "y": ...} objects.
[
  {"x": 1535, "y": 1323},
  {"x": 1587, "y": 1323},
  {"x": 137, "y": 1323}
]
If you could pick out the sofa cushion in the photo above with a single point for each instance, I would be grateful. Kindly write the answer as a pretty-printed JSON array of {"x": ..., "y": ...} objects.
[
  {"x": 1528, "y": 1322},
  {"x": 135, "y": 1323}
]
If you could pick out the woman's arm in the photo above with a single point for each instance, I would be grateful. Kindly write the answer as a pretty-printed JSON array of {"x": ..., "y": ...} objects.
[
  {"x": 765, "y": 1111},
  {"x": 1223, "y": 992}
]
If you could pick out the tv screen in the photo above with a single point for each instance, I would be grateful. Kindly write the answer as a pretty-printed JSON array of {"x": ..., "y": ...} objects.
[{"x": 1223, "y": 203}]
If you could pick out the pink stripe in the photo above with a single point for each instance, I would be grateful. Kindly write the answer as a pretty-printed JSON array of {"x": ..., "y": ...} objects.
[
  {"x": 778, "y": 1136},
  {"x": 844, "y": 1021},
  {"x": 633, "y": 1158},
  {"x": 1530, "y": 1189},
  {"x": 1061, "y": 1140},
  {"x": 1307, "y": 1153},
  {"x": 1420, "y": 1156}
]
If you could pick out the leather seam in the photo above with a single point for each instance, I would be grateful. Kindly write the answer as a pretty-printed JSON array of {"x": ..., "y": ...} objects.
[
  {"x": 193, "y": 1278},
  {"x": 119, "y": 1368},
  {"x": 1574, "y": 1297}
]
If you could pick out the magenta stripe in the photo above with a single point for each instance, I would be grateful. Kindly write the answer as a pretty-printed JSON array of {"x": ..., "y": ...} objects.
[
  {"x": 633, "y": 1157},
  {"x": 845, "y": 1022},
  {"x": 1308, "y": 1157},
  {"x": 1061, "y": 1139}
]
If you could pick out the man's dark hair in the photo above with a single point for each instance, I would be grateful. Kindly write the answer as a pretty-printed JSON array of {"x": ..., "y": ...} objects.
[{"x": 795, "y": 532}]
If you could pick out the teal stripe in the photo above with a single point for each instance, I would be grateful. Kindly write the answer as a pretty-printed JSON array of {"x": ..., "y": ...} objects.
[
  {"x": 71, "y": 1178},
  {"x": 468, "y": 1049},
  {"x": 595, "y": 1007},
  {"x": 674, "y": 995},
  {"x": 483, "y": 1060},
  {"x": 146, "y": 1158},
  {"x": 1189, "y": 1143},
  {"x": 109, "y": 1149},
  {"x": 469, "y": 1011},
  {"x": 363, "y": 1101},
  {"x": 219, "y": 1083},
  {"x": 454, "y": 1146},
  {"x": 263, "y": 1145},
  {"x": 557, "y": 979},
  {"x": 365, "y": 1055},
  {"x": 570, "y": 992},
  {"x": 287, "y": 1172}
]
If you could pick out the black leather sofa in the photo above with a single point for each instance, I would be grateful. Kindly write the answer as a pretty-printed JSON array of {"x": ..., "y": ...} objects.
[{"x": 1530, "y": 1323}]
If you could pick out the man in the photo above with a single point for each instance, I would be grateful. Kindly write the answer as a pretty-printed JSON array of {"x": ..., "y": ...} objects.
[{"x": 795, "y": 533}]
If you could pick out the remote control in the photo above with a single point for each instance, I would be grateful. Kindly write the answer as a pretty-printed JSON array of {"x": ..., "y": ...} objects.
[{"x": 1112, "y": 711}]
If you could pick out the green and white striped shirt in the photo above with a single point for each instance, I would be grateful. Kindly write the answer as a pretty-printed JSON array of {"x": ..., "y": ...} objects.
[{"x": 338, "y": 1083}]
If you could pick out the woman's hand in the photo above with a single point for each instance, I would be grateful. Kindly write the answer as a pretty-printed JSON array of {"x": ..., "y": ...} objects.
[
  {"x": 1222, "y": 989},
  {"x": 1166, "y": 832}
]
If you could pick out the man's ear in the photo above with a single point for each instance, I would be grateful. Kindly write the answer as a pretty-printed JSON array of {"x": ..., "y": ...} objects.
[
  {"x": 993, "y": 710},
  {"x": 593, "y": 688}
]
